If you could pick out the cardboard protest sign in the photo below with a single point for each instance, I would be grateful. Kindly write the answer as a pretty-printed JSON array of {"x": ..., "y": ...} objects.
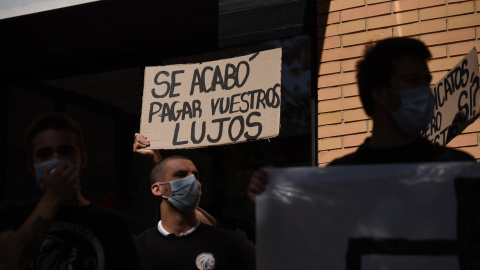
[
  {"x": 392, "y": 217},
  {"x": 219, "y": 102},
  {"x": 457, "y": 101}
]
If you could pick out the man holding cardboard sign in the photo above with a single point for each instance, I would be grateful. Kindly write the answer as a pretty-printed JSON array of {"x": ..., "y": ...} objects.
[
  {"x": 139, "y": 145},
  {"x": 180, "y": 240}
]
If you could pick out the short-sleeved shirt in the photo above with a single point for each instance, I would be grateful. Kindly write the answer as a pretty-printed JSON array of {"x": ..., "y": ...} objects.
[{"x": 85, "y": 237}]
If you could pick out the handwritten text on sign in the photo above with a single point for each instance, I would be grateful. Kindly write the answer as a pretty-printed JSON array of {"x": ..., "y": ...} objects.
[
  {"x": 457, "y": 101},
  {"x": 212, "y": 103}
]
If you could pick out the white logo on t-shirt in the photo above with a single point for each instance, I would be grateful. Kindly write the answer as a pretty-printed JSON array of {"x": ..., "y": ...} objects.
[{"x": 205, "y": 261}]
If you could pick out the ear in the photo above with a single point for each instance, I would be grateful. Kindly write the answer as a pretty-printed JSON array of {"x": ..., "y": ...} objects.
[
  {"x": 157, "y": 189},
  {"x": 380, "y": 96}
]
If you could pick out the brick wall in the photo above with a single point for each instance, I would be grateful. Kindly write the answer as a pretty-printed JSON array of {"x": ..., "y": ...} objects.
[{"x": 450, "y": 28}]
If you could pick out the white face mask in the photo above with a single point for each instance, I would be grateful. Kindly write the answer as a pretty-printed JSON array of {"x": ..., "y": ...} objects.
[
  {"x": 186, "y": 193},
  {"x": 50, "y": 164},
  {"x": 416, "y": 109}
]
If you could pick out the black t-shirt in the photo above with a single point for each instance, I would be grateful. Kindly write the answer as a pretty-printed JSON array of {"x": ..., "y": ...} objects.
[
  {"x": 205, "y": 248},
  {"x": 86, "y": 237},
  {"x": 419, "y": 150}
]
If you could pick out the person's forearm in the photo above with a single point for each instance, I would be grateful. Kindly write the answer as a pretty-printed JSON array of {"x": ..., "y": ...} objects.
[
  {"x": 205, "y": 217},
  {"x": 20, "y": 247},
  {"x": 156, "y": 156}
]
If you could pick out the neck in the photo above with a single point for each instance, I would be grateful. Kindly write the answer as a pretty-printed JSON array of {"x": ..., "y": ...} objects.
[
  {"x": 386, "y": 133},
  {"x": 174, "y": 221},
  {"x": 78, "y": 200}
]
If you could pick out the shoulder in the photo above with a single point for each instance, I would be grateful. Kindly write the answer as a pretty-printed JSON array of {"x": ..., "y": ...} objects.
[
  {"x": 360, "y": 156},
  {"x": 7, "y": 206},
  {"x": 222, "y": 235},
  {"x": 442, "y": 153},
  {"x": 96, "y": 209},
  {"x": 204, "y": 228},
  {"x": 27, "y": 206},
  {"x": 458, "y": 155},
  {"x": 147, "y": 235},
  {"x": 13, "y": 214},
  {"x": 345, "y": 160},
  {"x": 149, "y": 240},
  {"x": 94, "y": 215},
  {"x": 147, "y": 232}
]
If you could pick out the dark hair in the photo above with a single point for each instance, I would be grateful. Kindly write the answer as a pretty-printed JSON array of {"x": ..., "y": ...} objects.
[
  {"x": 158, "y": 172},
  {"x": 55, "y": 121},
  {"x": 376, "y": 68}
]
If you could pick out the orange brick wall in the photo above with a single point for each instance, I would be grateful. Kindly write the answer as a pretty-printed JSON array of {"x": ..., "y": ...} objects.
[{"x": 450, "y": 28}]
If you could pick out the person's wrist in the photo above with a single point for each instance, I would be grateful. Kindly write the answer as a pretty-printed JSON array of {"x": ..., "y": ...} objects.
[
  {"x": 156, "y": 156},
  {"x": 51, "y": 201}
]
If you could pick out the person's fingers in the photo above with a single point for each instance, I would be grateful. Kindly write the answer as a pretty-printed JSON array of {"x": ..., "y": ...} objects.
[
  {"x": 55, "y": 171},
  {"x": 59, "y": 174},
  {"x": 141, "y": 141},
  {"x": 255, "y": 189},
  {"x": 75, "y": 180},
  {"x": 260, "y": 177},
  {"x": 144, "y": 152},
  {"x": 61, "y": 182},
  {"x": 64, "y": 167},
  {"x": 252, "y": 192},
  {"x": 258, "y": 183}
]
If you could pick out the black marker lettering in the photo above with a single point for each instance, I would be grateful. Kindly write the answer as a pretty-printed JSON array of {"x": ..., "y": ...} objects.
[
  {"x": 230, "y": 76},
  {"x": 254, "y": 124},
  {"x": 175, "y": 136},
  {"x": 245, "y": 102},
  {"x": 230, "y": 127},
  {"x": 186, "y": 110},
  {"x": 232, "y": 103},
  {"x": 204, "y": 88},
  {"x": 464, "y": 107},
  {"x": 260, "y": 99},
  {"x": 247, "y": 73},
  {"x": 196, "y": 81},
  {"x": 174, "y": 83},
  {"x": 151, "y": 113},
  {"x": 155, "y": 80},
  {"x": 197, "y": 108},
  {"x": 202, "y": 134},
  {"x": 217, "y": 79},
  {"x": 220, "y": 129}
]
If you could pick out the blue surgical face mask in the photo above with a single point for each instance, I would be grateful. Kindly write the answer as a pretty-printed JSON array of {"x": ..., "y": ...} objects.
[
  {"x": 416, "y": 109},
  {"x": 186, "y": 193},
  {"x": 50, "y": 164}
]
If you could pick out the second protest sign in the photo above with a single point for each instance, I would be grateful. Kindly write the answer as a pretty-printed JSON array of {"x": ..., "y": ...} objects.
[{"x": 457, "y": 101}]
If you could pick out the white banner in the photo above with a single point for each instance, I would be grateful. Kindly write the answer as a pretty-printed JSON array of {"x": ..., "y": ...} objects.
[{"x": 381, "y": 216}]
